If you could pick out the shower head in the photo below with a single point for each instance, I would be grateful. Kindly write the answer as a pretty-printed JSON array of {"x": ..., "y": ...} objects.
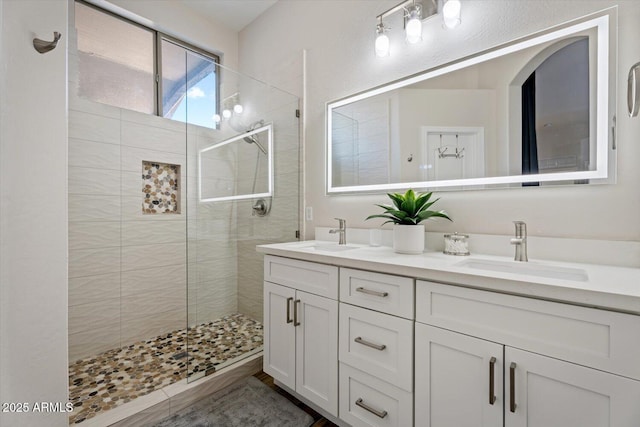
[{"x": 252, "y": 139}]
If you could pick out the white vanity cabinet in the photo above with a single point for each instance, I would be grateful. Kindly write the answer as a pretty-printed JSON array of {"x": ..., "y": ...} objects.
[
  {"x": 376, "y": 349},
  {"x": 301, "y": 328},
  {"x": 561, "y": 365},
  {"x": 400, "y": 351}
]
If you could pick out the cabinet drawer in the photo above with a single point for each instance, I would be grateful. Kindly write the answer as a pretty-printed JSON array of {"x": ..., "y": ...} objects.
[
  {"x": 318, "y": 279},
  {"x": 367, "y": 401},
  {"x": 597, "y": 338},
  {"x": 378, "y": 344},
  {"x": 381, "y": 292}
]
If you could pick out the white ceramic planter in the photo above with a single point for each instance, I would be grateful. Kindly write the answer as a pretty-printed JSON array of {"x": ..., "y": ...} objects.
[{"x": 408, "y": 239}]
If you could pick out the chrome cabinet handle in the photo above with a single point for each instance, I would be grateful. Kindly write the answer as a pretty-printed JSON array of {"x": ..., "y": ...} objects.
[
  {"x": 289, "y": 320},
  {"x": 492, "y": 381},
  {"x": 380, "y": 414},
  {"x": 380, "y": 347},
  {"x": 369, "y": 292},
  {"x": 295, "y": 313},
  {"x": 512, "y": 387}
]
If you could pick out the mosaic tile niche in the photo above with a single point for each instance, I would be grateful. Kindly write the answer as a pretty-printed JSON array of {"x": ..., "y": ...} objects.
[{"x": 160, "y": 188}]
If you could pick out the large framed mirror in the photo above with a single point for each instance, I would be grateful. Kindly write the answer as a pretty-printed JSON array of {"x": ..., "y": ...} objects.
[{"x": 536, "y": 111}]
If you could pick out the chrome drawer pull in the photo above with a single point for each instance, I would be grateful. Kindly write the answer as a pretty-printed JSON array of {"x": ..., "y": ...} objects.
[
  {"x": 380, "y": 347},
  {"x": 380, "y": 414},
  {"x": 369, "y": 292}
]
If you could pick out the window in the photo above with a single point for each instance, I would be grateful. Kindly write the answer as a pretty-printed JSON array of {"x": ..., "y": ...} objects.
[
  {"x": 189, "y": 84},
  {"x": 118, "y": 62}
]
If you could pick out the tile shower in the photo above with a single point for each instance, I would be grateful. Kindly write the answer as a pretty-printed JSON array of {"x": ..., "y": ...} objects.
[{"x": 164, "y": 287}]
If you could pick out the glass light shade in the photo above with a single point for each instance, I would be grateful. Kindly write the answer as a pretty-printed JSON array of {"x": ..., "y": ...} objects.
[
  {"x": 226, "y": 113},
  {"x": 382, "y": 44},
  {"x": 238, "y": 109},
  {"x": 217, "y": 118},
  {"x": 414, "y": 30},
  {"x": 451, "y": 13}
]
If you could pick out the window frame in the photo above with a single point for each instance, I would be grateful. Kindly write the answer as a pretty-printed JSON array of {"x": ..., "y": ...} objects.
[{"x": 158, "y": 36}]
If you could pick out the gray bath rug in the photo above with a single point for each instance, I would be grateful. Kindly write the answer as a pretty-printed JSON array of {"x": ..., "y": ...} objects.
[{"x": 247, "y": 403}]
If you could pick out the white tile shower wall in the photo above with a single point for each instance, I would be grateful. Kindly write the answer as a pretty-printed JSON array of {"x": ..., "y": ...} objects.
[
  {"x": 116, "y": 252},
  {"x": 107, "y": 246},
  {"x": 128, "y": 270}
]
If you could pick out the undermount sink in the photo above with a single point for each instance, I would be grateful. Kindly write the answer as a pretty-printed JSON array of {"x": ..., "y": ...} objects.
[
  {"x": 530, "y": 269},
  {"x": 328, "y": 247}
]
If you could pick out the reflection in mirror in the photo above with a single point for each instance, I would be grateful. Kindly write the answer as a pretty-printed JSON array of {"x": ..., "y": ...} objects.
[
  {"x": 555, "y": 112},
  {"x": 524, "y": 114},
  {"x": 238, "y": 168}
]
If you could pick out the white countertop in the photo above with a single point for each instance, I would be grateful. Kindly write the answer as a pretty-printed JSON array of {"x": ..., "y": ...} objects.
[{"x": 607, "y": 287}]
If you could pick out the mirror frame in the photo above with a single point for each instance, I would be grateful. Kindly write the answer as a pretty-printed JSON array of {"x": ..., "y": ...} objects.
[
  {"x": 606, "y": 66},
  {"x": 268, "y": 193}
]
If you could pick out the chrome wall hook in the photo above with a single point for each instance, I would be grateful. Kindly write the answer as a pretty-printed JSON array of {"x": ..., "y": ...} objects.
[{"x": 43, "y": 46}]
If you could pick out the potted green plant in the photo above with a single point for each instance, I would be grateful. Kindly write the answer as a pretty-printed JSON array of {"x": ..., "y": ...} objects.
[{"x": 407, "y": 213}]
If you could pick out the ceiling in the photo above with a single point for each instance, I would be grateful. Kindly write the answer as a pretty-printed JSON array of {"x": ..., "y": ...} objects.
[{"x": 235, "y": 14}]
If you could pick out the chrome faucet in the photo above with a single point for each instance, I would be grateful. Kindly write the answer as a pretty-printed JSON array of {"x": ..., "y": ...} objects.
[
  {"x": 342, "y": 230},
  {"x": 520, "y": 241}
]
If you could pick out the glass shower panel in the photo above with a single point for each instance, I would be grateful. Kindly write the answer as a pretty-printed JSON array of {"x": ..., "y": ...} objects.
[{"x": 242, "y": 190}]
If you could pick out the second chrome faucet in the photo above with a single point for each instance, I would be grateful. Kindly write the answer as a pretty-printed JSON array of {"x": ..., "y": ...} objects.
[
  {"x": 520, "y": 241},
  {"x": 341, "y": 230}
]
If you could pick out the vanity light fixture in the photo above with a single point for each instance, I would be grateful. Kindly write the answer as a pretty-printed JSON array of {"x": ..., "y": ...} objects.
[
  {"x": 414, "y": 14},
  {"x": 413, "y": 26},
  {"x": 382, "y": 40}
]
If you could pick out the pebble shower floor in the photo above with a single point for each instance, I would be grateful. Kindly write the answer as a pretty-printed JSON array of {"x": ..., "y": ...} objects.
[{"x": 115, "y": 377}]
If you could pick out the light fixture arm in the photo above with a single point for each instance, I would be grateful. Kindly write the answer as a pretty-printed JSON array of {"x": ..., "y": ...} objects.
[
  {"x": 430, "y": 8},
  {"x": 414, "y": 13}
]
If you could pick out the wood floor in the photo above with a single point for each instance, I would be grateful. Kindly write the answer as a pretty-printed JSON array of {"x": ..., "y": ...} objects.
[{"x": 318, "y": 420}]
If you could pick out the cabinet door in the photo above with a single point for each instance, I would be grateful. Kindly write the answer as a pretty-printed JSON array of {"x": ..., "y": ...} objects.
[
  {"x": 317, "y": 350},
  {"x": 279, "y": 358},
  {"x": 453, "y": 381},
  {"x": 552, "y": 393}
]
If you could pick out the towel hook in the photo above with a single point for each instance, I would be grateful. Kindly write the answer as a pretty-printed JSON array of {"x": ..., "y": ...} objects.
[{"x": 43, "y": 46}]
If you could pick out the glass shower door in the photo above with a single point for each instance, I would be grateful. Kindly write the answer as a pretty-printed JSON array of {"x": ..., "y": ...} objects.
[{"x": 242, "y": 190}]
